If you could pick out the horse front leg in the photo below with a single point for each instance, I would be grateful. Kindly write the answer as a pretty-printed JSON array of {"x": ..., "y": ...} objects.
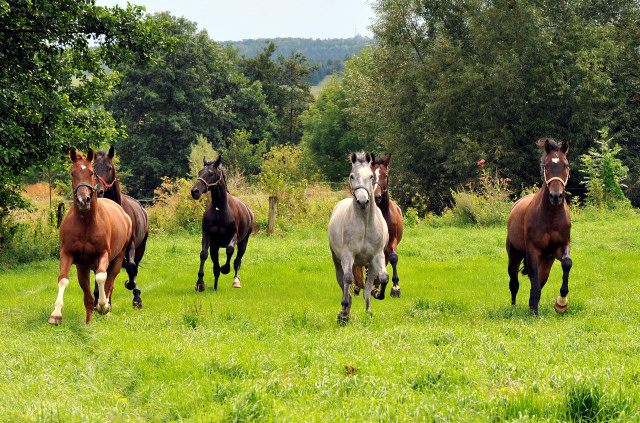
[
  {"x": 533, "y": 258},
  {"x": 229, "y": 250},
  {"x": 84, "y": 279},
  {"x": 346, "y": 261},
  {"x": 561, "y": 302},
  {"x": 379, "y": 272},
  {"x": 103, "y": 306},
  {"x": 216, "y": 266},
  {"x": 204, "y": 253},
  {"x": 242, "y": 247},
  {"x": 131, "y": 266},
  {"x": 66, "y": 260}
]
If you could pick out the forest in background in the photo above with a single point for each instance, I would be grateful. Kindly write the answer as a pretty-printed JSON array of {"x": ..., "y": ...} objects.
[{"x": 328, "y": 55}]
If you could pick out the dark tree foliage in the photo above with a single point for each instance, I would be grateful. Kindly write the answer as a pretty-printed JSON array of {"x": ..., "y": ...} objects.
[
  {"x": 52, "y": 79},
  {"x": 194, "y": 89},
  {"x": 453, "y": 82}
]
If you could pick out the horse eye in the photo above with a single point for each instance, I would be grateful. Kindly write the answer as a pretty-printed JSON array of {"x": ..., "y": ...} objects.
[{"x": 109, "y": 168}]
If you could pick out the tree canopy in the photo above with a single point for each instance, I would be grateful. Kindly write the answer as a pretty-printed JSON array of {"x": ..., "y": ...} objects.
[
  {"x": 53, "y": 81},
  {"x": 196, "y": 89},
  {"x": 452, "y": 82}
]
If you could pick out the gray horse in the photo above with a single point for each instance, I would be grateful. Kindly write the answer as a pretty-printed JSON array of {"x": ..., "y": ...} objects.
[{"x": 358, "y": 234}]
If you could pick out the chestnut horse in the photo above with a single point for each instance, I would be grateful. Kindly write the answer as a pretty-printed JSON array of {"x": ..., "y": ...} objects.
[
  {"x": 94, "y": 236},
  {"x": 109, "y": 187},
  {"x": 539, "y": 229},
  {"x": 393, "y": 216},
  {"x": 226, "y": 222}
]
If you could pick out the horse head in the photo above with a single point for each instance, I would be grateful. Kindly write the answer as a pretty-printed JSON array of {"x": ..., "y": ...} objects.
[
  {"x": 105, "y": 171},
  {"x": 209, "y": 176},
  {"x": 555, "y": 168},
  {"x": 83, "y": 179},
  {"x": 361, "y": 179},
  {"x": 380, "y": 169}
]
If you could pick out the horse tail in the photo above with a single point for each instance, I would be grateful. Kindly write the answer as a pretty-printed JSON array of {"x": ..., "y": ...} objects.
[
  {"x": 358, "y": 279},
  {"x": 524, "y": 270}
]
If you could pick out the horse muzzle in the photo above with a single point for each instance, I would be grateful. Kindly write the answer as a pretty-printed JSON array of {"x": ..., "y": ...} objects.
[
  {"x": 195, "y": 193},
  {"x": 84, "y": 203},
  {"x": 556, "y": 197}
]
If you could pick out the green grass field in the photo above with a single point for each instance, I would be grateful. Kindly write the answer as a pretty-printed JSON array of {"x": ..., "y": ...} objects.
[{"x": 452, "y": 348}]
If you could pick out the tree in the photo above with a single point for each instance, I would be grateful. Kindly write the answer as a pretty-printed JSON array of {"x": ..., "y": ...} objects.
[
  {"x": 329, "y": 135},
  {"x": 53, "y": 80},
  {"x": 194, "y": 89},
  {"x": 450, "y": 83}
]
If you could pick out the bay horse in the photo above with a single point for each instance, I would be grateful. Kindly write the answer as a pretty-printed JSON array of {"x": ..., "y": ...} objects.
[
  {"x": 358, "y": 235},
  {"x": 94, "y": 236},
  {"x": 539, "y": 229},
  {"x": 109, "y": 187},
  {"x": 227, "y": 222}
]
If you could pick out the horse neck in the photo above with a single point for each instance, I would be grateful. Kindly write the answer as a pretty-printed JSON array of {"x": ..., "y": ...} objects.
[
  {"x": 384, "y": 202},
  {"x": 114, "y": 193},
  {"x": 219, "y": 195}
]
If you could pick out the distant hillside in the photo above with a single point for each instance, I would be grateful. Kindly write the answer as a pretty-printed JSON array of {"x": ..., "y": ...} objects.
[{"x": 329, "y": 55}]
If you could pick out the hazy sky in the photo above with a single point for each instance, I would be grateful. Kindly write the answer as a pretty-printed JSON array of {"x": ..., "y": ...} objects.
[{"x": 234, "y": 20}]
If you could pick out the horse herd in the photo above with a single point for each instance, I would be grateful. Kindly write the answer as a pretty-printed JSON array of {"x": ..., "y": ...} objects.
[{"x": 105, "y": 230}]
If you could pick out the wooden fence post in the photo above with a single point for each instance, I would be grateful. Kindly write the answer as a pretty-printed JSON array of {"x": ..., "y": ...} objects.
[{"x": 273, "y": 211}]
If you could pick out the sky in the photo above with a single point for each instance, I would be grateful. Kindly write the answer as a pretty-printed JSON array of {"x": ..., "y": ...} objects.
[{"x": 235, "y": 20}]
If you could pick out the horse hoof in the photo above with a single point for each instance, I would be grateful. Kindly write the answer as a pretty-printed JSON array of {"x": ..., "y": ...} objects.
[
  {"x": 395, "y": 292},
  {"x": 225, "y": 269},
  {"x": 103, "y": 309},
  {"x": 342, "y": 319},
  {"x": 561, "y": 305},
  {"x": 236, "y": 283},
  {"x": 55, "y": 320},
  {"x": 129, "y": 285},
  {"x": 200, "y": 287},
  {"x": 377, "y": 294},
  {"x": 137, "y": 305}
]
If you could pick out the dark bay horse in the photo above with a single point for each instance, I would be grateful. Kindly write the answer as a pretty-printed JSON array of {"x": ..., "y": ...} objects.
[
  {"x": 539, "y": 229},
  {"x": 109, "y": 187},
  {"x": 94, "y": 236},
  {"x": 226, "y": 222},
  {"x": 358, "y": 235},
  {"x": 393, "y": 216}
]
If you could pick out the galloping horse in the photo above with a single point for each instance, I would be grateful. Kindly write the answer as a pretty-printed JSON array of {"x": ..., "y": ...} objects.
[
  {"x": 226, "y": 222},
  {"x": 109, "y": 187},
  {"x": 94, "y": 236},
  {"x": 539, "y": 229},
  {"x": 358, "y": 235}
]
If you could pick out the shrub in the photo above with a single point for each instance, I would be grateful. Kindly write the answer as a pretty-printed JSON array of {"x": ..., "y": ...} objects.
[
  {"x": 604, "y": 174},
  {"x": 29, "y": 236},
  {"x": 174, "y": 209},
  {"x": 486, "y": 203}
]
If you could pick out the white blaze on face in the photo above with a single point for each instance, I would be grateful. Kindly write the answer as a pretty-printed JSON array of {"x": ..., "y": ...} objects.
[
  {"x": 62, "y": 284},
  {"x": 555, "y": 160},
  {"x": 83, "y": 167}
]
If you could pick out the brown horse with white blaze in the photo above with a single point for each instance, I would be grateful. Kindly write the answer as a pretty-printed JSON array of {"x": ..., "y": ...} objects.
[
  {"x": 539, "y": 229},
  {"x": 94, "y": 236}
]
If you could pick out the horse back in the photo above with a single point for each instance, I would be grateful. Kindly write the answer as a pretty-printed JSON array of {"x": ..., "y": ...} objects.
[
  {"x": 393, "y": 217},
  {"x": 139, "y": 218},
  {"x": 243, "y": 217},
  {"x": 120, "y": 225}
]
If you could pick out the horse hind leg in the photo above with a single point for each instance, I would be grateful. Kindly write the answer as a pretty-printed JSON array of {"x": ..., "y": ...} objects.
[
  {"x": 378, "y": 269},
  {"x": 344, "y": 276},
  {"x": 515, "y": 258},
  {"x": 226, "y": 268},
  {"x": 216, "y": 266}
]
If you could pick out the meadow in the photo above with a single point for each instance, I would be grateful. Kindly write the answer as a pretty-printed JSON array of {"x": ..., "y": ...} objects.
[{"x": 452, "y": 348}]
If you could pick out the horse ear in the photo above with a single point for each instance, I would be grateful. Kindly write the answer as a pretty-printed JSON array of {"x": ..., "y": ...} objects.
[
  {"x": 218, "y": 160},
  {"x": 72, "y": 154},
  {"x": 565, "y": 146},
  {"x": 353, "y": 157},
  {"x": 373, "y": 158},
  {"x": 386, "y": 161},
  {"x": 368, "y": 158},
  {"x": 90, "y": 154},
  {"x": 112, "y": 152}
]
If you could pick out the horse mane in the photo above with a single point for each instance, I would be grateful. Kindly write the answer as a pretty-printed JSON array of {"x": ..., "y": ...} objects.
[{"x": 101, "y": 153}]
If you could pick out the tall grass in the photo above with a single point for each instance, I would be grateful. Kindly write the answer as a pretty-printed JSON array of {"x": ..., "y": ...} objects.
[{"x": 452, "y": 348}]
